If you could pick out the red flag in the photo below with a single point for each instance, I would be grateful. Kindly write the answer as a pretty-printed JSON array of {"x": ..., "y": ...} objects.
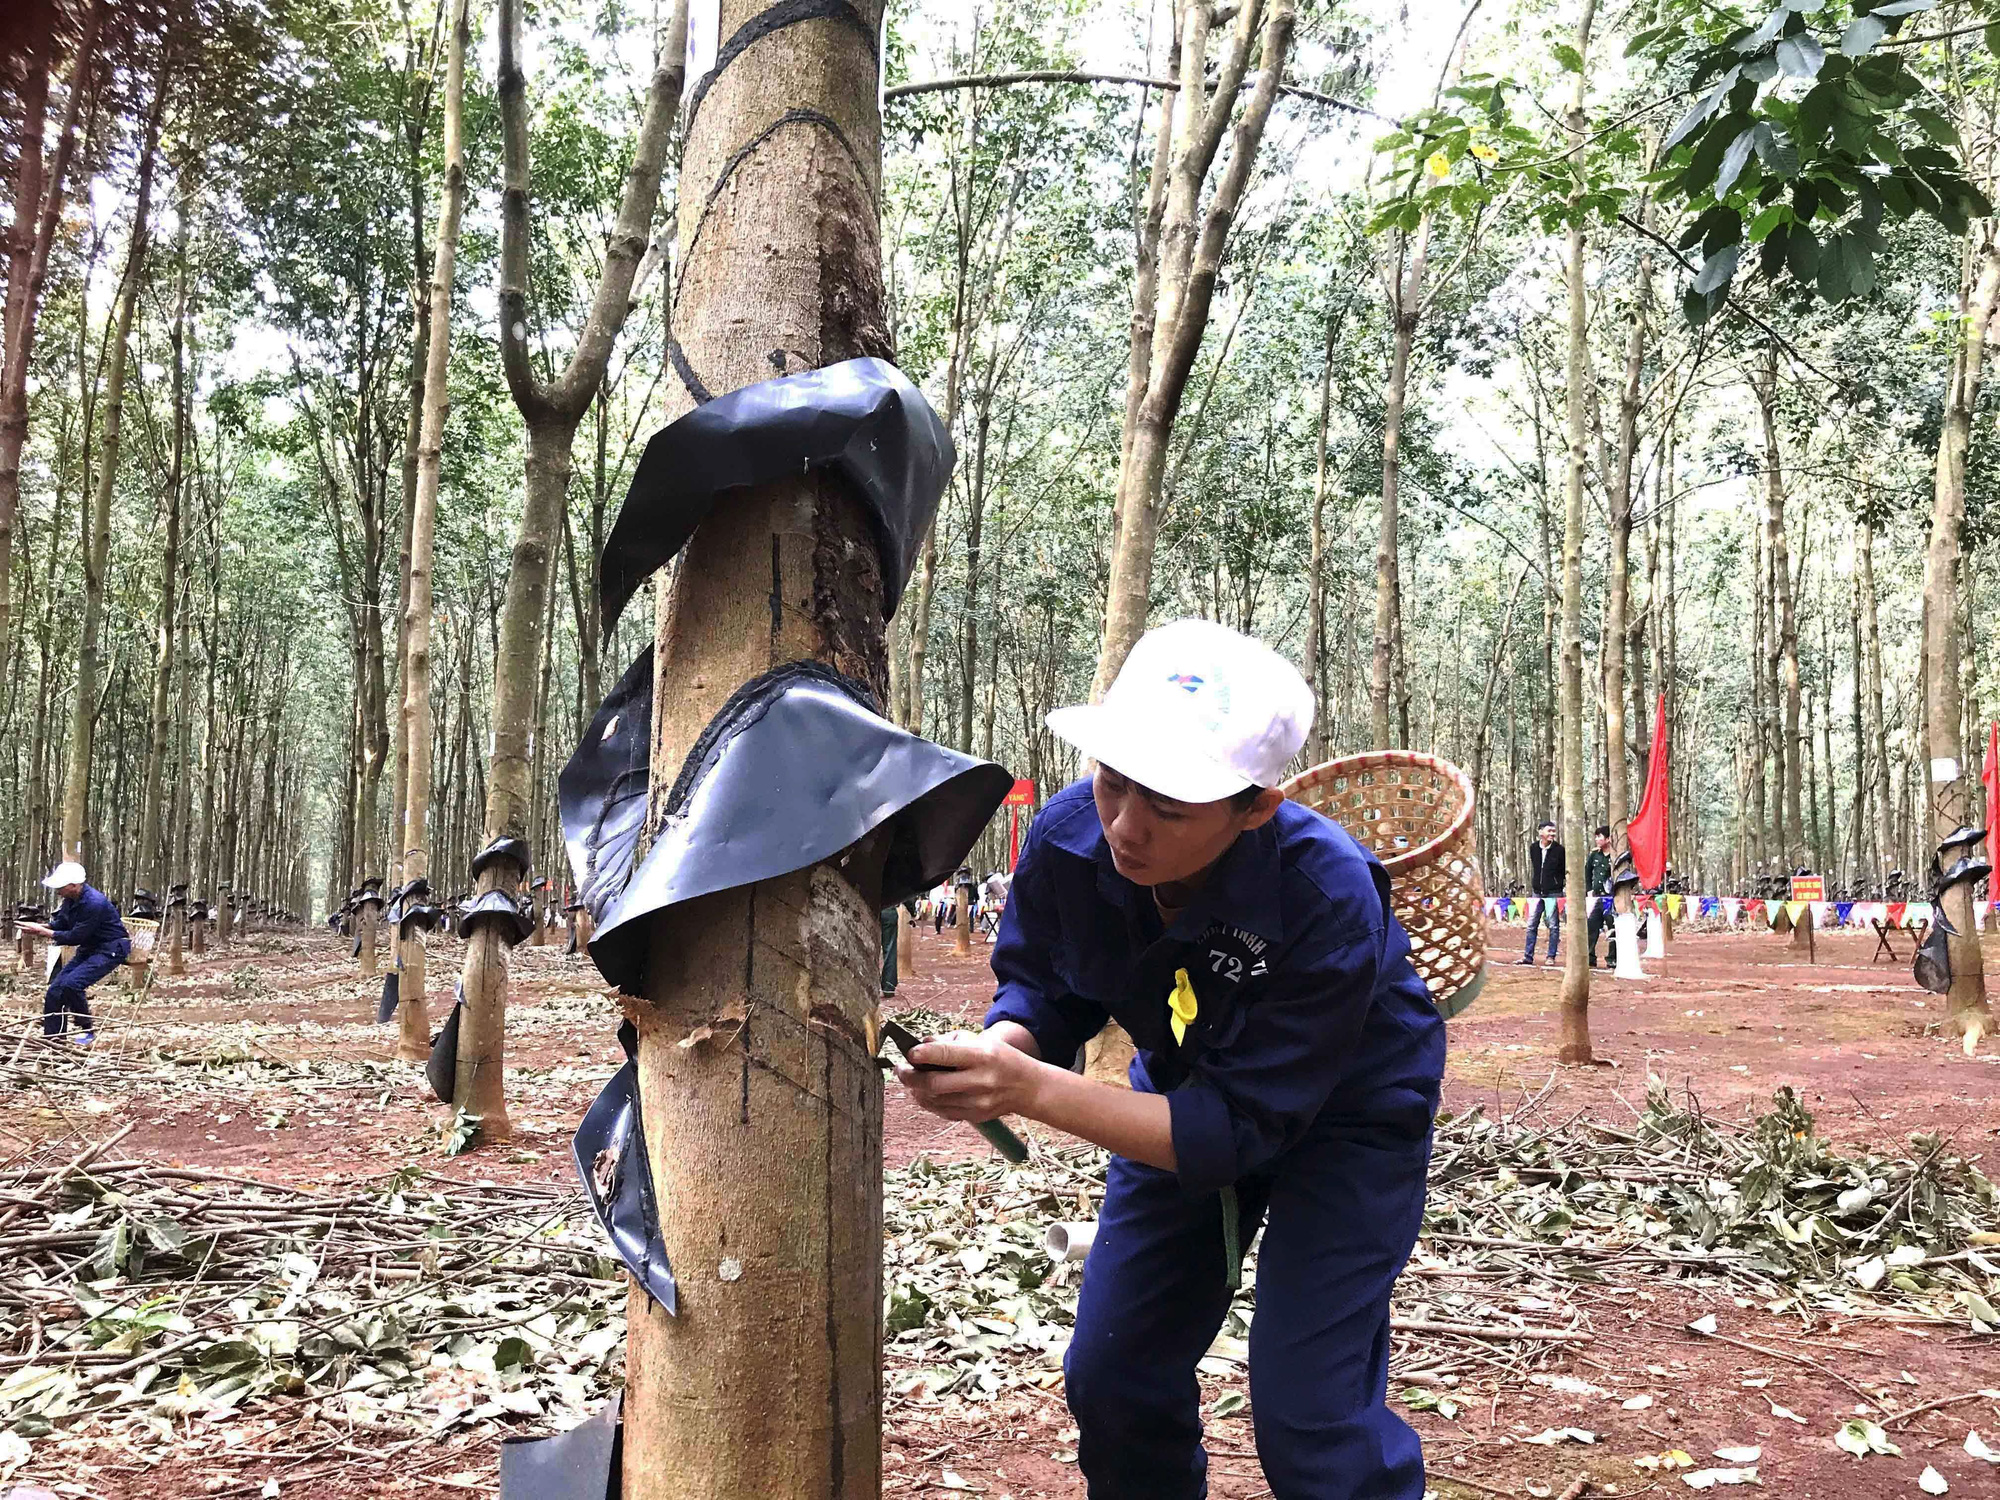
[
  {"x": 1990, "y": 774},
  {"x": 1646, "y": 833}
]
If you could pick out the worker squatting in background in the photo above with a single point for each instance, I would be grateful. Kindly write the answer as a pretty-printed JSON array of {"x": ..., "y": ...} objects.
[{"x": 86, "y": 921}]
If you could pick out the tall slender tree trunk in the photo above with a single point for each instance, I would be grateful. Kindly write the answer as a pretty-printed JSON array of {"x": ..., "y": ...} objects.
[
  {"x": 39, "y": 191},
  {"x": 97, "y": 523},
  {"x": 413, "y": 1041},
  {"x": 1952, "y": 799},
  {"x": 1315, "y": 652},
  {"x": 1871, "y": 697},
  {"x": 1785, "y": 647},
  {"x": 765, "y": 1136},
  {"x": 1189, "y": 259},
  {"x": 551, "y": 411},
  {"x": 151, "y": 866},
  {"x": 1576, "y": 972},
  {"x": 1405, "y": 308},
  {"x": 1618, "y": 594}
]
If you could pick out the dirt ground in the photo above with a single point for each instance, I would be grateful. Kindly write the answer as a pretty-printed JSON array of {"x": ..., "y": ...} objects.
[{"x": 1729, "y": 1016}]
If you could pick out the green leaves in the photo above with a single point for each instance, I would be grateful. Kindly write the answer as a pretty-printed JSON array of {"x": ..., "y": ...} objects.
[{"x": 1851, "y": 131}]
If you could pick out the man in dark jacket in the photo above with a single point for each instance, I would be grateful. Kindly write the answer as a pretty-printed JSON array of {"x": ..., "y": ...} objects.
[
  {"x": 87, "y": 922},
  {"x": 1597, "y": 883},
  {"x": 1547, "y": 874}
]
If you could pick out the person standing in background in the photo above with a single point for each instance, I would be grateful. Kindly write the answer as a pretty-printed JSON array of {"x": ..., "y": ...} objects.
[
  {"x": 1597, "y": 881},
  {"x": 1548, "y": 869}
]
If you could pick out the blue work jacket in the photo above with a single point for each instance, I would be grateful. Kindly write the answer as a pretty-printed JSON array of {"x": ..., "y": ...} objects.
[
  {"x": 1307, "y": 1009},
  {"x": 89, "y": 923}
]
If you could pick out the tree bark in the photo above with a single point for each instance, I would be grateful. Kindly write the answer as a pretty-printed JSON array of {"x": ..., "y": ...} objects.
[
  {"x": 551, "y": 411},
  {"x": 1189, "y": 259},
  {"x": 1405, "y": 306},
  {"x": 1575, "y": 1024},
  {"x": 1870, "y": 696},
  {"x": 762, "y": 1103},
  {"x": 413, "y": 1041},
  {"x": 97, "y": 522},
  {"x": 39, "y": 185},
  {"x": 1952, "y": 799},
  {"x": 1618, "y": 594},
  {"x": 1785, "y": 648},
  {"x": 152, "y": 865}
]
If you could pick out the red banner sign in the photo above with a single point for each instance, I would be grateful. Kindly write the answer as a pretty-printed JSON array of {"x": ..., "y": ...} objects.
[{"x": 1022, "y": 795}]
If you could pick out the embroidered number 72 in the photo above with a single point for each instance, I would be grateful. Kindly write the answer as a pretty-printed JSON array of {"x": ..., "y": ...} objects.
[{"x": 1228, "y": 965}]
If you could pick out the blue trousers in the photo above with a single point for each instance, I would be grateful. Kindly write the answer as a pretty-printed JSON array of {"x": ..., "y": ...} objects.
[
  {"x": 1536, "y": 913},
  {"x": 69, "y": 991},
  {"x": 1343, "y": 1211}
]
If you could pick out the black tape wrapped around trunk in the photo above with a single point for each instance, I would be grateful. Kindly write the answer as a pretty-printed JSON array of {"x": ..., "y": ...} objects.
[
  {"x": 391, "y": 996},
  {"x": 861, "y": 418},
  {"x": 794, "y": 768}
]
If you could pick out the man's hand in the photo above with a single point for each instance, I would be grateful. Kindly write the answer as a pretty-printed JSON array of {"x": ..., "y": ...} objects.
[
  {"x": 39, "y": 929},
  {"x": 988, "y": 1077}
]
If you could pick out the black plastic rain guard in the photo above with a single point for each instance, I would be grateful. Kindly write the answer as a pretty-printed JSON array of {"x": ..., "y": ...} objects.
[
  {"x": 794, "y": 768},
  {"x": 1931, "y": 967},
  {"x": 441, "y": 1071},
  {"x": 585, "y": 1463},
  {"x": 507, "y": 848},
  {"x": 496, "y": 906},
  {"x": 862, "y": 418},
  {"x": 601, "y": 791},
  {"x": 611, "y": 1160}
]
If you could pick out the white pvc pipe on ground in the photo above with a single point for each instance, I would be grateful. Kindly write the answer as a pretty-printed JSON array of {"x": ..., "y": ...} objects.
[{"x": 1069, "y": 1242}]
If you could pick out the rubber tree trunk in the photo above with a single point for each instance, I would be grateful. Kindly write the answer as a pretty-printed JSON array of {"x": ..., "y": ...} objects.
[
  {"x": 1181, "y": 286},
  {"x": 1315, "y": 651},
  {"x": 1953, "y": 797},
  {"x": 1871, "y": 697},
  {"x": 151, "y": 864},
  {"x": 413, "y": 1039},
  {"x": 1785, "y": 647},
  {"x": 1406, "y": 306},
  {"x": 1575, "y": 1025},
  {"x": 39, "y": 184},
  {"x": 1618, "y": 592},
  {"x": 97, "y": 523},
  {"x": 551, "y": 411},
  {"x": 906, "y": 945},
  {"x": 763, "y": 1107}
]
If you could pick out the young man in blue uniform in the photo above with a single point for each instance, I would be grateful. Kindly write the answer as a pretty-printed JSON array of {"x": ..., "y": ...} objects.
[
  {"x": 88, "y": 922},
  {"x": 1287, "y": 1074}
]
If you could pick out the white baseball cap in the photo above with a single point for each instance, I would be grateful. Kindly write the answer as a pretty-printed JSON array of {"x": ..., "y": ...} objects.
[
  {"x": 1197, "y": 714},
  {"x": 69, "y": 872}
]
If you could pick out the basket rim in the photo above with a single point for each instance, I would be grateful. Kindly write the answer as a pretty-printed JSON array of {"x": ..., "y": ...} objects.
[{"x": 1368, "y": 760}]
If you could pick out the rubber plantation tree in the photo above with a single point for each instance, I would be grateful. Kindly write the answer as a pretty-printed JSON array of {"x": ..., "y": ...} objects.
[
  {"x": 41, "y": 184},
  {"x": 1809, "y": 130},
  {"x": 97, "y": 524},
  {"x": 413, "y": 1039},
  {"x": 550, "y": 409},
  {"x": 1181, "y": 248},
  {"x": 763, "y": 1107}
]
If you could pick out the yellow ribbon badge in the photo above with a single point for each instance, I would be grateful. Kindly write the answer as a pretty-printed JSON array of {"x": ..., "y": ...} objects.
[{"x": 1182, "y": 1000}]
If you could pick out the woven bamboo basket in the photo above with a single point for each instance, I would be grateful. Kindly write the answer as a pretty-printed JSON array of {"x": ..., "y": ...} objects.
[
  {"x": 1415, "y": 813},
  {"x": 145, "y": 936}
]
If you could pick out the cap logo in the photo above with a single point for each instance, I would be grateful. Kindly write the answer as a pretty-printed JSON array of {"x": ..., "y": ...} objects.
[{"x": 1187, "y": 682}]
